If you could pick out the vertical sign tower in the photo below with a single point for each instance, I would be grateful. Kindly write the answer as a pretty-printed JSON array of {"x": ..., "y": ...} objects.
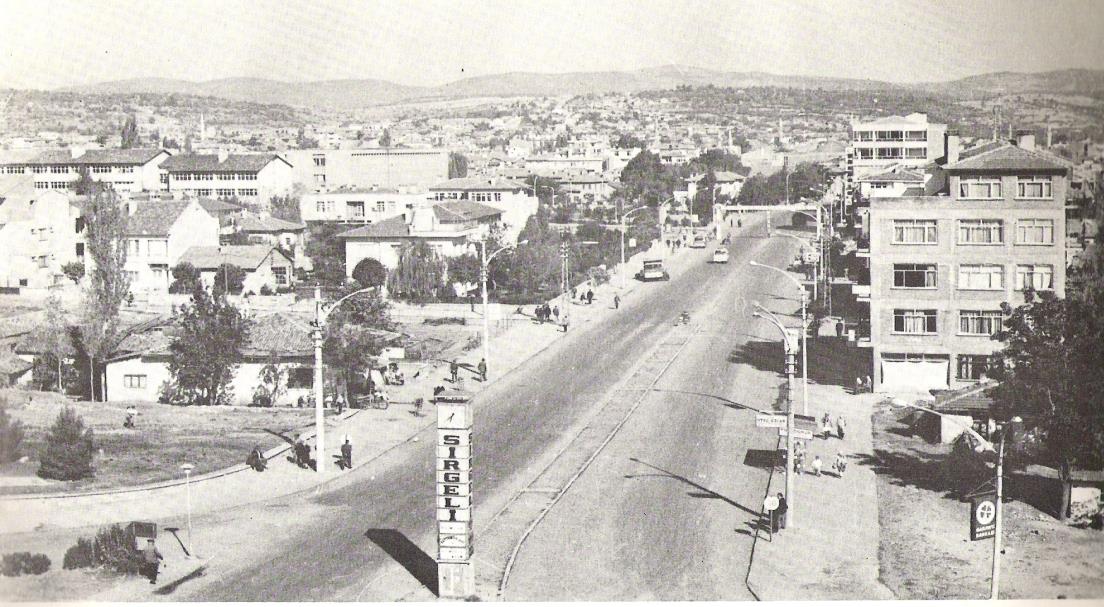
[{"x": 455, "y": 572}]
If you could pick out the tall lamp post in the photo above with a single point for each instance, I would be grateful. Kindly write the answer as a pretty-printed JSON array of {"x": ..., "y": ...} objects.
[
  {"x": 187, "y": 468},
  {"x": 804, "y": 331},
  {"x": 625, "y": 228},
  {"x": 790, "y": 496},
  {"x": 483, "y": 271},
  {"x": 321, "y": 315}
]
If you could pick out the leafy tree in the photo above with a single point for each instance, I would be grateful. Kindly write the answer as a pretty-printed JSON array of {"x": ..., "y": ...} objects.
[
  {"x": 648, "y": 180},
  {"x": 228, "y": 277},
  {"x": 11, "y": 436},
  {"x": 385, "y": 139},
  {"x": 327, "y": 252},
  {"x": 73, "y": 270},
  {"x": 353, "y": 341},
  {"x": 206, "y": 351},
  {"x": 628, "y": 141},
  {"x": 286, "y": 208},
  {"x": 369, "y": 272},
  {"x": 273, "y": 378},
  {"x": 47, "y": 373},
  {"x": 705, "y": 197},
  {"x": 105, "y": 220},
  {"x": 130, "y": 133},
  {"x": 465, "y": 268},
  {"x": 185, "y": 278},
  {"x": 419, "y": 274},
  {"x": 84, "y": 185},
  {"x": 457, "y": 165},
  {"x": 69, "y": 449}
]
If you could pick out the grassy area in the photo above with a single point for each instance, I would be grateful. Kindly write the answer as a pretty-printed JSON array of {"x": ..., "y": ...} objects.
[
  {"x": 211, "y": 438},
  {"x": 925, "y": 551}
]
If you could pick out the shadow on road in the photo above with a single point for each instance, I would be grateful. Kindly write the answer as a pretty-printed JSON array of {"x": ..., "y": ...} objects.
[
  {"x": 170, "y": 588},
  {"x": 764, "y": 458},
  {"x": 724, "y": 401},
  {"x": 831, "y": 360},
  {"x": 406, "y": 553},
  {"x": 705, "y": 492}
]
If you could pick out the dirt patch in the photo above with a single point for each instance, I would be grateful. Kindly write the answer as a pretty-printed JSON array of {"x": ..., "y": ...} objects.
[{"x": 925, "y": 552}]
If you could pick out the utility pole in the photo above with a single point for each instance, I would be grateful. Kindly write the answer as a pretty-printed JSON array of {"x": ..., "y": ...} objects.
[
  {"x": 564, "y": 282},
  {"x": 319, "y": 413},
  {"x": 790, "y": 364},
  {"x": 486, "y": 320},
  {"x": 995, "y": 591}
]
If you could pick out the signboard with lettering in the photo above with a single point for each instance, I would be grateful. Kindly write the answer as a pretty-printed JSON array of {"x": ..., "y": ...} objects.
[
  {"x": 766, "y": 420},
  {"x": 806, "y": 422},
  {"x": 455, "y": 574},
  {"x": 798, "y": 433},
  {"x": 983, "y": 516}
]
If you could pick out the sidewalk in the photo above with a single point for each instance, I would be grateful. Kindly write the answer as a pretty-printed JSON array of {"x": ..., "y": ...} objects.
[
  {"x": 831, "y": 551},
  {"x": 372, "y": 433}
]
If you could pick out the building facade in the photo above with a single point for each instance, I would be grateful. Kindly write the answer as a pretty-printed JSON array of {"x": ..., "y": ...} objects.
[
  {"x": 40, "y": 232},
  {"x": 131, "y": 170},
  {"x": 515, "y": 200},
  {"x": 158, "y": 234},
  {"x": 359, "y": 205},
  {"x": 369, "y": 167},
  {"x": 252, "y": 178}
]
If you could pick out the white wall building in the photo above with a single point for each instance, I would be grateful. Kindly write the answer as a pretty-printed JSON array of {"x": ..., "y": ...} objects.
[
  {"x": 252, "y": 178},
  {"x": 359, "y": 205},
  {"x": 516, "y": 200},
  {"x": 132, "y": 170},
  {"x": 158, "y": 234},
  {"x": 40, "y": 231}
]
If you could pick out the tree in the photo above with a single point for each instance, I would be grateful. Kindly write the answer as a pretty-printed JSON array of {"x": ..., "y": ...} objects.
[
  {"x": 11, "y": 436},
  {"x": 705, "y": 197},
  {"x": 648, "y": 180},
  {"x": 105, "y": 220},
  {"x": 629, "y": 141},
  {"x": 273, "y": 378},
  {"x": 327, "y": 252},
  {"x": 385, "y": 139},
  {"x": 228, "y": 277},
  {"x": 286, "y": 207},
  {"x": 419, "y": 274},
  {"x": 130, "y": 133},
  {"x": 369, "y": 272},
  {"x": 465, "y": 269},
  {"x": 457, "y": 165},
  {"x": 187, "y": 144},
  {"x": 73, "y": 270},
  {"x": 185, "y": 278},
  {"x": 47, "y": 372},
  {"x": 69, "y": 449},
  {"x": 206, "y": 351},
  {"x": 353, "y": 340}
]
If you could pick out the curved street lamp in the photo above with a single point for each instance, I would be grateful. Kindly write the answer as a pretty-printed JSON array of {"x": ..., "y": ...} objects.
[
  {"x": 483, "y": 271},
  {"x": 761, "y": 312},
  {"x": 816, "y": 266},
  {"x": 624, "y": 228},
  {"x": 804, "y": 331}
]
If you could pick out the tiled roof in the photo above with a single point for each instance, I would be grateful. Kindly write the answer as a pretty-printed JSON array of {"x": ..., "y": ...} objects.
[
  {"x": 980, "y": 148},
  {"x": 210, "y": 162},
  {"x": 969, "y": 399},
  {"x": 216, "y": 206},
  {"x": 252, "y": 223},
  {"x": 11, "y": 365},
  {"x": 895, "y": 174},
  {"x": 282, "y": 332},
  {"x": 479, "y": 183},
  {"x": 727, "y": 176},
  {"x": 394, "y": 227},
  {"x": 35, "y": 342},
  {"x": 461, "y": 211},
  {"x": 246, "y": 257},
  {"x": 1007, "y": 157},
  {"x": 154, "y": 218},
  {"x": 108, "y": 156}
]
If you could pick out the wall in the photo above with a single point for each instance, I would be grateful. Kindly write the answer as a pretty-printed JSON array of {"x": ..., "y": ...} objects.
[
  {"x": 367, "y": 167},
  {"x": 157, "y": 374}
]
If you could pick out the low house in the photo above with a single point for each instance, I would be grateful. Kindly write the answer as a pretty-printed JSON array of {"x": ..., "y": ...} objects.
[
  {"x": 967, "y": 407},
  {"x": 226, "y": 213},
  {"x": 158, "y": 234},
  {"x": 288, "y": 235},
  {"x": 448, "y": 228},
  {"x": 264, "y": 265}
]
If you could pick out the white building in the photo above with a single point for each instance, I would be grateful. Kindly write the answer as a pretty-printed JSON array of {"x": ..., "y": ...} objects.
[
  {"x": 359, "y": 205},
  {"x": 132, "y": 170},
  {"x": 252, "y": 178},
  {"x": 369, "y": 167},
  {"x": 910, "y": 140},
  {"x": 554, "y": 165},
  {"x": 40, "y": 231},
  {"x": 265, "y": 266},
  {"x": 514, "y": 199},
  {"x": 158, "y": 234}
]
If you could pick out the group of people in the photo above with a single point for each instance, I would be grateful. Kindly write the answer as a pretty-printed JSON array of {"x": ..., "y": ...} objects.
[
  {"x": 546, "y": 313},
  {"x": 826, "y": 426},
  {"x": 816, "y": 467},
  {"x": 586, "y": 297},
  {"x": 864, "y": 384}
]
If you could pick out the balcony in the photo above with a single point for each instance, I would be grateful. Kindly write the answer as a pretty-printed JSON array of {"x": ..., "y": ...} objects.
[{"x": 861, "y": 292}]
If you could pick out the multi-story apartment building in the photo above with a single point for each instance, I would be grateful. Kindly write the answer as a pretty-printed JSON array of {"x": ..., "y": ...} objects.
[
  {"x": 940, "y": 265},
  {"x": 40, "y": 231},
  {"x": 359, "y": 205},
  {"x": 369, "y": 167},
  {"x": 133, "y": 170},
  {"x": 907, "y": 141},
  {"x": 553, "y": 165},
  {"x": 158, "y": 234},
  {"x": 252, "y": 178},
  {"x": 516, "y": 200}
]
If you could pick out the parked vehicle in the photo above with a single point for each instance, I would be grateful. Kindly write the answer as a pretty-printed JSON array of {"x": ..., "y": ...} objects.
[
  {"x": 720, "y": 255},
  {"x": 653, "y": 270},
  {"x": 698, "y": 242}
]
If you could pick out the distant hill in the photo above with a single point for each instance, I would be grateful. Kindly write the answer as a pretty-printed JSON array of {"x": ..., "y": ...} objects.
[{"x": 350, "y": 94}]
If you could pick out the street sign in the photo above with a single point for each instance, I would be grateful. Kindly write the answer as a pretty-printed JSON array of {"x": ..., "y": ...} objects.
[
  {"x": 983, "y": 516},
  {"x": 770, "y": 503},
  {"x": 767, "y": 420},
  {"x": 806, "y": 422},
  {"x": 798, "y": 433}
]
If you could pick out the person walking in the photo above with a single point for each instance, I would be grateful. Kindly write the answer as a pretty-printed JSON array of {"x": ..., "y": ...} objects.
[
  {"x": 840, "y": 464},
  {"x": 858, "y": 385},
  {"x": 841, "y": 426},
  {"x": 869, "y": 384},
  {"x": 347, "y": 453},
  {"x": 573, "y": 291},
  {"x": 826, "y": 425},
  {"x": 590, "y": 296},
  {"x": 616, "y": 302},
  {"x": 482, "y": 369},
  {"x": 556, "y": 313},
  {"x": 817, "y": 465},
  {"x": 781, "y": 510},
  {"x": 151, "y": 560},
  {"x": 454, "y": 370}
]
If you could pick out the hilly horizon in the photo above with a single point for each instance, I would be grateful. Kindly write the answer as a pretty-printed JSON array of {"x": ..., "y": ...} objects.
[{"x": 354, "y": 93}]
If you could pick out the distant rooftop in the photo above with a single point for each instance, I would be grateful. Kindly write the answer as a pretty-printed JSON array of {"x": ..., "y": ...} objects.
[
  {"x": 210, "y": 162},
  {"x": 1007, "y": 157}
]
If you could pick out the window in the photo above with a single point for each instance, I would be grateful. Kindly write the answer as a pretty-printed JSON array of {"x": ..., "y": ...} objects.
[
  {"x": 865, "y": 154},
  {"x": 982, "y": 188},
  {"x": 80, "y": 249},
  {"x": 980, "y": 231},
  {"x": 226, "y": 176},
  {"x": 134, "y": 247},
  {"x": 916, "y": 153},
  {"x": 319, "y": 161},
  {"x": 324, "y": 206},
  {"x": 972, "y": 366},
  {"x": 225, "y": 191},
  {"x": 914, "y": 231},
  {"x": 381, "y": 206},
  {"x": 916, "y": 135},
  {"x": 13, "y": 170},
  {"x": 913, "y": 275},
  {"x": 1038, "y": 277},
  {"x": 354, "y": 208},
  {"x": 1033, "y": 187},
  {"x": 979, "y": 322},
  {"x": 884, "y": 153},
  {"x": 38, "y": 169},
  {"x": 101, "y": 169},
  {"x": 59, "y": 185},
  {"x": 247, "y": 191},
  {"x": 281, "y": 275},
  {"x": 134, "y": 381},
  {"x": 203, "y": 192},
  {"x": 42, "y": 185},
  {"x": 981, "y": 277},
  {"x": 864, "y": 135},
  {"x": 498, "y": 196},
  {"x": 158, "y": 247},
  {"x": 1035, "y": 231},
  {"x": 126, "y": 169},
  {"x": 59, "y": 169},
  {"x": 914, "y": 322}
]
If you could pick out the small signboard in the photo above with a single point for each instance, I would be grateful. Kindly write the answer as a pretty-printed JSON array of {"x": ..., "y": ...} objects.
[
  {"x": 767, "y": 420},
  {"x": 983, "y": 516},
  {"x": 798, "y": 433},
  {"x": 455, "y": 573},
  {"x": 806, "y": 422}
]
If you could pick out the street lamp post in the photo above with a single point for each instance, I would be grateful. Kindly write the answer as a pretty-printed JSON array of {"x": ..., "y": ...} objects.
[
  {"x": 483, "y": 271},
  {"x": 804, "y": 331},
  {"x": 624, "y": 228},
  {"x": 790, "y": 496},
  {"x": 187, "y": 468}
]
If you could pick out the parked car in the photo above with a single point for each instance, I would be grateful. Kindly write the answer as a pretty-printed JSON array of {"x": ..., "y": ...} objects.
[
  {"x": 653, "y": 270},
  {"x": 720, "y": 255}
]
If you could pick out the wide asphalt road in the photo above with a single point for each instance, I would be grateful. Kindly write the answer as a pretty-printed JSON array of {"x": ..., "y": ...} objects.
[{"x": 334, "y": 543}]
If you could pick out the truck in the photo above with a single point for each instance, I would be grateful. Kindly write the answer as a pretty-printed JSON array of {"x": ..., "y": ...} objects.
[{"x": 652, "y": 270}]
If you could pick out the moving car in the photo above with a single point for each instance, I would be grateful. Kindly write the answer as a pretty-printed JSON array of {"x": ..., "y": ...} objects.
[
  {"x": 653, "y": 270},
  {"x": 720, "y": 255},
  {"x": 698, "y": 242}
]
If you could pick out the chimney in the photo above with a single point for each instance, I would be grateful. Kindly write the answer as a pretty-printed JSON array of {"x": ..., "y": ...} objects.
[
  {"x": 1025, "y": 140},
  {"x": 952, "y": 143},
  {"x": 223, "y": 155}
]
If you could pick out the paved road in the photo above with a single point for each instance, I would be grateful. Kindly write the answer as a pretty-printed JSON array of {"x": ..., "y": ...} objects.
[{"x": 330, "y": 546}]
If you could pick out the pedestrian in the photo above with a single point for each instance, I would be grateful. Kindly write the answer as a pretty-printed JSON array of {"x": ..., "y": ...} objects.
[
  {"x": 858, "y": 385},
  {"x": 573, "y": 290},
  {"x": 471, "y": 300},
  {"x": 817, "y": 465},
  {"x": 590, "y": 297},
  {"x": 347, "y": 453},
  {"x": 781, "y": 510},
  {"x": 482, "y": 370},
  {"x": 739, "y": 223},
  {"x": 839, "y": 328},
  {"x": 799, "y": 462},
  {"x": 131, "y": 417},
  {"x": 770, "y": 507},
  {"x": 616, "y": 302},
  {"x": 840, "y": 464},
  {"x": 151, "y": 561},
  {"x": 841, "y": 426},
  {"x": 256, "y": 459},
  {"x": 547, "y": 312},
  {"x": 826, "y": 430},
  {"x": 556, "y": 313},
  {"x": 869, "y": 384}
]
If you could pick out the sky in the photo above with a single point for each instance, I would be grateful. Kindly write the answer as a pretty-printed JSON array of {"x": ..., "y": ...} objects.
[{"x": 56, "y": 43}]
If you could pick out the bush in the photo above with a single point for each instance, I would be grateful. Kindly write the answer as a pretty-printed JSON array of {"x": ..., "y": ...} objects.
[
  {"x": 598, "y": 275},
  {"x": 11, "y": 436},
  {"x": 370, "y": 272},
  {"x": 266, "y": 290},
  {"x": 24, "y": 563},
  {"x": 69, "y": 449},
  {"x": 445, "y": 320},
  {"x": 79, "y": 556}
]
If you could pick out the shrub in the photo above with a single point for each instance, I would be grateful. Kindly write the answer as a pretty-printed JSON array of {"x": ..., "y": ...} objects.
[
  {"x": 80, "y": 555},
  {"x": 599, "y": 275},
  {"x": 266, "y": 290},
  {"x": 370, "y": 272},
  {"x": 24, "y": 563},
  {"x": 11, "y": 436},
  {"x": 69, "y": 449},
  {"x": 445, "y": 320}
]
